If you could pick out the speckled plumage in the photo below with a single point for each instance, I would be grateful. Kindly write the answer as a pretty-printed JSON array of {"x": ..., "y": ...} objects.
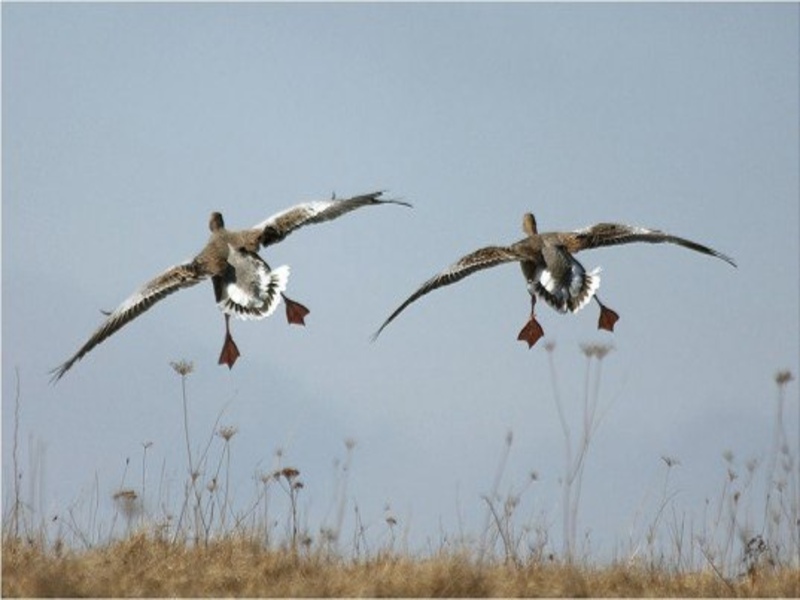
[
  {"x": 550, "y": 269},
  {"x": 244, "y": 284}
]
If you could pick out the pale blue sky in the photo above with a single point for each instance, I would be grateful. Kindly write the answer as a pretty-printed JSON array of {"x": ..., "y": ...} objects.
[{"x": 124, "y": 126}]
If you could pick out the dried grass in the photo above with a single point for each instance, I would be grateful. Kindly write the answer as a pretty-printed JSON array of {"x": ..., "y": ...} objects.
[
  {"x": 214, "y": 550},
  {"x": 141, "y": 566}
]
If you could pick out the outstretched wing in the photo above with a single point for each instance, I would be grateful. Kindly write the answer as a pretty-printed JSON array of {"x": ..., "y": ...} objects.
[
  {"x": 278, "y": 226},
  {"x": 611, "y": 234},
  {"x": 475, "y": 261},
  {"x": 170, "y": 281}
]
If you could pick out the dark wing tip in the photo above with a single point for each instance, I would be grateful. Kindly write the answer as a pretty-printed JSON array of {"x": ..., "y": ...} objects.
[
  {"x": 376, "y": 199},
  {"x": 374, "y": 336},
  {"x": 57, "y": 373},
  {"x": 711, "y": 252},
  {"x": 728, "y": 260},
  {"x": 397, "y": 201},
  {"x": 402, "y": 203}
]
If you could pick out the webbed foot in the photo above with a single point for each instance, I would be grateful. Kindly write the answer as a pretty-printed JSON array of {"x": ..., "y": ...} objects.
[
  {"x": 229, "y": 352},
  {"x": 531, "y": 332},
  {"x": 607, "y": 318},
  {"x": 295, "y": 312}
]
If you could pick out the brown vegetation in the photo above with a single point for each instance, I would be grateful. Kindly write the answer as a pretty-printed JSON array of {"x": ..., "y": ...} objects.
[
  {"x": 208, "y": 547},
  {"x": 144, "y": 566}
]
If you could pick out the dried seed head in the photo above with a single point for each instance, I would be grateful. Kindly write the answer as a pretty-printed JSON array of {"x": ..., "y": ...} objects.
[
  {"x": 670, "y": 461},
  {"x": 227, "y": 432},
  {"x": 125, "y": 495},
  {"x": 598, "y": 351},
  {"x": 511, "y": 503},
  {"x": 783, "y": 377},
  {"x": 602, "y": 350},
  {"x": 182, "y": 367},
  {"x": 128, "y": 503},
  {"x": 289, "y": 472}
]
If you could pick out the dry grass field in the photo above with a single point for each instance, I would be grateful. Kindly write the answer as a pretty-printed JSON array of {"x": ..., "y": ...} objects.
[
  {"x": 207, "y": 546},
  {"x": 145, "y": 567}
]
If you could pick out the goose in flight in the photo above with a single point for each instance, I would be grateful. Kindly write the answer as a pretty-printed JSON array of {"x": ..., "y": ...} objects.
[
  {"x": 551, "y": 271},
  {"x": 244, "y": 284}
]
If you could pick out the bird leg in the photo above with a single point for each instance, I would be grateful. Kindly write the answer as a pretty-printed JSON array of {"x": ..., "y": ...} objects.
[
  {"x": 532, "y": 330},
  {"x": 295, "y": 312},
  {"x": 607, "y": 317},
  {"x": 229, "y": 352}
]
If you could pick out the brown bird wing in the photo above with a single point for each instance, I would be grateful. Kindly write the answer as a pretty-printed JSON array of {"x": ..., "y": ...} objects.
[
  {"x": 611, "y": 234},
  {"x": 170, "y": 281},
  {"x": 475, "y": 261},
  {"x": 278, "y": 226}
]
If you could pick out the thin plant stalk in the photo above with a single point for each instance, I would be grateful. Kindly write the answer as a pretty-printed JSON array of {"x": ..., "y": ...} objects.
[
  {"x": 501, "y": 467},
  {"x": 574, "y": 465},
  {"x": 566, "y": 483},
  {"x": 15, "y": 459}
]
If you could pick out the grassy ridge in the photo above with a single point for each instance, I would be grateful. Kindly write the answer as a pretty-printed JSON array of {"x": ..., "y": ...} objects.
[
  {"x": 203, "y": 545},
  {"x": 144, "y": 566}
]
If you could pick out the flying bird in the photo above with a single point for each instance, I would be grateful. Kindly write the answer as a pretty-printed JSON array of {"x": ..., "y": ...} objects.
[
  {"x": 244, "y": 284},
  {"x": 551, "y": 271}
]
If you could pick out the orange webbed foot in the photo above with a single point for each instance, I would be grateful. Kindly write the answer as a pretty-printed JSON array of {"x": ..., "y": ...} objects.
[
  {"x": 229, "y": 352},
  {"x": 531, "y": 332},
  {"x": 607, "y": 318},
  {"x": 295, "y": 312}
]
